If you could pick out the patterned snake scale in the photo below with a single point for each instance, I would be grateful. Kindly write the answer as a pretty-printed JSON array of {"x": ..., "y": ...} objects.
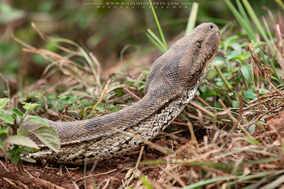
[{"x": 171, "y": 84}]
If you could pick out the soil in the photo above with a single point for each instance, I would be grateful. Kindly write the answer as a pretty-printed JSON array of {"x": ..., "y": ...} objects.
[
  {"x": 111, "y": 172},
  {"x": 272, "y": 122}
]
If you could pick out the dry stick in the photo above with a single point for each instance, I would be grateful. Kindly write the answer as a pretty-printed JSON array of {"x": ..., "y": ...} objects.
[
  {"x": 173, "y": 176},
  {"x": 228, "y": 112},
  {"x": 257, "y": 86},
  {"x": 192, "y": 134},
  {"x": 139, "y": 158},
  {"x": 131, "y": 93},
  {"x": 276, "y": 89},
  {"x": 29, "y": 180},
  {"x": 271, "y": 110},
  {"x": 95, "y": 175},
  {"x": 241, "y": 105},
  {"x": 46, "y": 38},
  {"x": 200, "y": 118},
  {"x": 262, "y": 102},
  {"x": 203, "y": 109},
  {"x": 205, "y": 103},
  {"x": 264, "y": 96},
  {"x": 281, "y": 80}
]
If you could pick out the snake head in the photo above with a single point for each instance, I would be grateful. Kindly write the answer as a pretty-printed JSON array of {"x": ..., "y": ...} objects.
[{"x": 183, "y": 66}]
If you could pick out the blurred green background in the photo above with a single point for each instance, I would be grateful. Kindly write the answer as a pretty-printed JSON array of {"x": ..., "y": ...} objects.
[{"x": 103, "y": 31}]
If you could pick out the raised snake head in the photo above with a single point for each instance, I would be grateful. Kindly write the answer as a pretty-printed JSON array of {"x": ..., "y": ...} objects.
[{"x": 183, "y": 66}]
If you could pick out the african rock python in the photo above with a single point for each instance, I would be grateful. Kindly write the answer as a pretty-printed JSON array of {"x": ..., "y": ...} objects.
[{"x": 171, "y": 84}]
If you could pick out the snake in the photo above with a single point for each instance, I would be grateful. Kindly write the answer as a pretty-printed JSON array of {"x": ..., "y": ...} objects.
[{"x": 170, "y": 84}]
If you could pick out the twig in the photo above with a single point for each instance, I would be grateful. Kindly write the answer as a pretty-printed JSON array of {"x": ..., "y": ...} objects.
[{"x": 131, "y": 93}]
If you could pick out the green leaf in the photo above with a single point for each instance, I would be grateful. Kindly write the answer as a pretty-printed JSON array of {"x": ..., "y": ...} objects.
[
  {"x": 262, "y": 91},
  {"x": 237, "y": 47},
  {"x": 2, "y": 144},
  {"x": 48, "y": 136},
  {"x": 17, "y": 112},
  {"x": 246, "y": 55},
  {"x": 100, "y": 107},
  {"x": 15, "y": 158},
  {"x": 4, "y": 130},
  {"x": 246, "y": 71},
  {"x": 234, "y": 55},
  {"x": 235, "y": 104},
  {"x": 145, "y": 182},
  {"x": 36, "y": 119},
  {"x": 22, "y": 140},
  {"x": 28, "y": 159},
  {"x": 3, "y": 102},
  {"x": 7, "y": 118},
  {"x": 24, "y": 131},
  {"x": 252, "y": 141},
  {"x": 252, "y": 129},
  {"x": 29, "y": 106},
  {"x": 27, "y": 149},
  {"x": 250, "y": 94}
]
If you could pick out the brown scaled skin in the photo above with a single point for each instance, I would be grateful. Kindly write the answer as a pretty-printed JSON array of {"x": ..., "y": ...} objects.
[{"x": 171, "y": 83}]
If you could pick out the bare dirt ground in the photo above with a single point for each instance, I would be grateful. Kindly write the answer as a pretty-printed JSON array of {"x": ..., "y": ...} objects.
[{"x": 110, "y": 172}]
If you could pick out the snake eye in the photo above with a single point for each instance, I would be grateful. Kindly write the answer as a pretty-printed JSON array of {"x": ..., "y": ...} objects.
[{"x": 198, "y": 44}]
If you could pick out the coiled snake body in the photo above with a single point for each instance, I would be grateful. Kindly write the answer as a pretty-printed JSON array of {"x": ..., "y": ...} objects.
[{"x": 171, "y": 84}]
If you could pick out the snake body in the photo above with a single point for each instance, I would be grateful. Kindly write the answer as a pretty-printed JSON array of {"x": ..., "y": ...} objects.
[{"x": 171, "y": 84}]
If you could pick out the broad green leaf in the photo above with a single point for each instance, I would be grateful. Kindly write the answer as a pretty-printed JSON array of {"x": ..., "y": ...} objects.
[
  {"x": 17, "y": 112},
  {"x": 27, "y": 149},
  {"x": 7, "y": 118},
  {"x": 252, "y": 141},
  {"x": 246, "y": 71},
  {"x": 250, "y": 94},
  {"x": 234, "y": 55},
  {"x": 246, "y": 55},
  {"x": 48, "y": 136},
  {"x": 100, "y": 107},
  {"x": 22, "y": 140},
  {"x": 262, "y": 90},
  {"x": 28, "y": 159},
  {"x": 237, "y": 47},
  {"x": 36, "y": 119},
  {"x": 24, "y": 131},
  {"x": 15, "y": 158},
  {"x": 3, "y": 102}
]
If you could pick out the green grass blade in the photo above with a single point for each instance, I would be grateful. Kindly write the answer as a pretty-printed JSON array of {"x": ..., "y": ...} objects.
[
  {"x": 257, "y": 23},
  {"x": 280, "y": 3},
  {"x": 158, "y": 40},
  {"x": 275, "y": 183},
  {"x": 161, "y": 48},
  {"x": 159, "y": 27},
  {"x": 192, "y": 18},
  {"x": 242, "y": 11},
  {"x": 240, "y": 19},
  {"x": 269, "y": 33}
]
